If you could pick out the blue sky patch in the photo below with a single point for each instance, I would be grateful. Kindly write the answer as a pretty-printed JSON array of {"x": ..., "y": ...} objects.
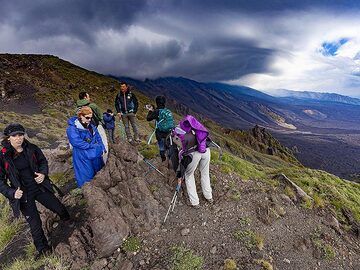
[{"x": 331, "y": 48}]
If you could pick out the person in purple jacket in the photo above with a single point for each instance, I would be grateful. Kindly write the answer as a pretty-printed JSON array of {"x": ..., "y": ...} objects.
[
  {"x": 194, "y": 154},
  {"x": 109, "y": 120}
]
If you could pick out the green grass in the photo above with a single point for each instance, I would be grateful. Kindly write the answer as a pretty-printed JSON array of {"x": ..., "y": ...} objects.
[
  {"x": 131, "y": 244},
  {"x": 250, "y": 239},
  {"x": 148, "y": 151},
  {"x": 326, "y": 189},
  {"x": 245, "y": 169},
  {"x": 230, "y": 264},
  {"x": 8, "y": 229},
  {"x": 184, "y": 259}
]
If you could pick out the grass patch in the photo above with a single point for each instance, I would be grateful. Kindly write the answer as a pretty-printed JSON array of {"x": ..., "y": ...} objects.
[
  {"x": 244, "y": 221},
  {"x": 185, "y": 259},
  {"x": 50, "y": 262},
  {"x": 326, "y": 188},
  {"x": 245, "y": 169},
  {"x": 8, "y": 229},
  {"x": 131, "y": 244},
  {"x": 250, "y": 239},
  {"x": 290, "y": 193},
  {"x": 60, "y": 178},
  {"x": 265, "y": 264},
  {"x": 149, "y": 151},
  {"x": 230, "y": 264}
]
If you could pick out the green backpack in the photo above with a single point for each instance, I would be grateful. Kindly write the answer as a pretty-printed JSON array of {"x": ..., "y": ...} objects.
[{"x": 166, "y": 121}]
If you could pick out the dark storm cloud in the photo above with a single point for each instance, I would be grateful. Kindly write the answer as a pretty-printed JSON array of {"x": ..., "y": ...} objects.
[
  {"x": 79, "y": 18},
  {"x": 203, "y": 40},
  {"x": 221, "y": 60}
]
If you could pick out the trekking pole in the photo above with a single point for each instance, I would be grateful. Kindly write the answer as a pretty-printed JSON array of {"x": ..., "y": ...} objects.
[
  {"x": 220, "y": 149},
  {"x": 122, "y": 131},
  {"x": 173, "y": 200},
  {"x": 152, "y": 167}
]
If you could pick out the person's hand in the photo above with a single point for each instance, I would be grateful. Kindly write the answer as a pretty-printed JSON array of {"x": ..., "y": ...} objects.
[
  {"x": 119, "y": 115},
  {"x": 18, "y": 194},
  {"x": 39, "y": 177}
]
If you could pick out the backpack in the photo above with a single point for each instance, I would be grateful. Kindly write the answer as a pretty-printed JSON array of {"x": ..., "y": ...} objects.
[
  {"x": 191, "y": 136},
  {"x": 166, "y": 120}
]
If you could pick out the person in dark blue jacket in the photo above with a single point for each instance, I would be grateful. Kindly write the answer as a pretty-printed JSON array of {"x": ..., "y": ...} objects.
[
  {"x": 109, "y": 120},
  {"x": 88, "y": 147}
]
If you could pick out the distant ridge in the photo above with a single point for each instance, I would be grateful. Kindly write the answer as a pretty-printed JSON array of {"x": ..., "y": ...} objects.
[{"x": 305, "y": 95}]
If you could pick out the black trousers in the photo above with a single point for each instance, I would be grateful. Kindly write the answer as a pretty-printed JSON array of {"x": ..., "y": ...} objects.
[{"x": 32, "y": 216}]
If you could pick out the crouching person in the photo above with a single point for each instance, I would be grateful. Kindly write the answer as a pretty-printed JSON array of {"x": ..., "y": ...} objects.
[
  {"x": 88, "y": 147},
  {"x": 191, "y": 137},
  {"x": 24, "y": 180}
]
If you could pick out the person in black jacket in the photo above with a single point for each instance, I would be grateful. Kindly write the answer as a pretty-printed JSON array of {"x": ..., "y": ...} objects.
[
  {"x": 164, "y": 123},
  {"x": 24, "y": 180},
  {"x": 126, "y": 105}
]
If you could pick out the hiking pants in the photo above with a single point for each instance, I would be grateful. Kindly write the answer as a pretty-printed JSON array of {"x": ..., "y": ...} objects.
[
  {"x": 32, "y": 215},
  {"x": 110, "y": 133},
  {"x": 130, "y": 117},
  {"x": 203, "y": 160}
]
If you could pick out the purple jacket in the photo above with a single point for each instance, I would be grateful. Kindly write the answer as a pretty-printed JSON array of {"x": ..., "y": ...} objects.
[{"x": 190, "y": 122}]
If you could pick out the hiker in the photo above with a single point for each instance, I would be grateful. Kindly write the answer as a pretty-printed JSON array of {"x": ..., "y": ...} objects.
[
  {"x": 109, "y": 120},
  {"x": 191, "y": 137},
  {"x": 126, "y": 105},
  {"x": 24, "y": 179},
  {"x": 97, "y": 120},
  {"x": 164, "y": 123},
  {"x": 87, "y": 144}
]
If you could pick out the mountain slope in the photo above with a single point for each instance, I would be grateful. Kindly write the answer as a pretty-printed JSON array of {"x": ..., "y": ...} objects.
[{"x": 258, "y": 218}]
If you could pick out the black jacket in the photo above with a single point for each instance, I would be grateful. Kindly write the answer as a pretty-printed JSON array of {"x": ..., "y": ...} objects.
[
  {"x": 126, "y": 102},
  {"x": 9, "y": 180}
]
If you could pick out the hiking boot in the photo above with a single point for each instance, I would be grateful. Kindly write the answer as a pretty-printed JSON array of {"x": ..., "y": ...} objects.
[
  {"x": 130, "y": 140},
  {"x": 43, "y": 253},
  {"x": 210, "y": 201},
  {"x": 137, "y": 140},
  {"x": 162, "y": 155},
  {"x": 197, "y": 206}
]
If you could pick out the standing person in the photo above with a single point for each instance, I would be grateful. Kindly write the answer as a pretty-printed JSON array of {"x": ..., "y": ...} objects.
[
  {"x": 109, "y": 120},
  {"x": 126, "y": 105},
  {"x": 24, "y": 179},
  {"x": 87, "y": 144},
  {"x": 164, "y": 123},
  {"x": 97, "y": 120},
  {"x": 191, "y": 136}
]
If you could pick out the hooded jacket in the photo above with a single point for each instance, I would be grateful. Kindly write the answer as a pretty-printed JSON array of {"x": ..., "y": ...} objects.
[
  {"x": 9, "y": 177},
  {"x": 87, "y": 150},
  {"x": 109, "y": 120}
]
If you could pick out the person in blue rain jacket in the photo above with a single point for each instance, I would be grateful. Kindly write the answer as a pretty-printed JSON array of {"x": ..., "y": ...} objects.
[{"x": 87, "y": 145}]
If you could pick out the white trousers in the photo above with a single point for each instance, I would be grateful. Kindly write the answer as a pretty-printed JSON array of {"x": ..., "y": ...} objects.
[
  {"x": 203, "y": 160},
  {"x": 102, "y": 134}
]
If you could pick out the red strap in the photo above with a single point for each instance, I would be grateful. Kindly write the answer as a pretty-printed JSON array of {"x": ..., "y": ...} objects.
[{"x": 6, "y": 166}]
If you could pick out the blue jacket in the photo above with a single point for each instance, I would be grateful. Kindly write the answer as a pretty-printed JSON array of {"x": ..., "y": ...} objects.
[
  {"x": 109, "y": 120},
  {"x": 87, "y": 150}
]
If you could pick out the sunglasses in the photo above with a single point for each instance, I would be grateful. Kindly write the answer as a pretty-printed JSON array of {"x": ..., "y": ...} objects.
[{"x": 87, "y": 117}]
